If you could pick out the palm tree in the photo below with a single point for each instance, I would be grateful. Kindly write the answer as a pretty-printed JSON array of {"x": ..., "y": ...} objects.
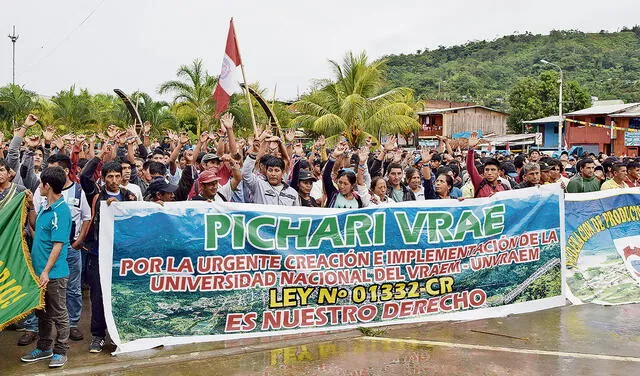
[
  {"x": 353, "y": 106},
  {"x": 15, "y": 104},
  {"x": 156, "y": 112},
  {"x": 72, "y": 110},
  {"x": 192, "y": 89}
]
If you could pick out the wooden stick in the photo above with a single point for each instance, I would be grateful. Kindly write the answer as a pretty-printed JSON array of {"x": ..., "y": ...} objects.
[
  {"x": 246, "y": 86},
  {"x": 500, "y": 335}
]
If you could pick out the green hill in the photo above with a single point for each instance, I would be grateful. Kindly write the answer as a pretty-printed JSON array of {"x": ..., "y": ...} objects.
[{"x": 607, "y": 64}]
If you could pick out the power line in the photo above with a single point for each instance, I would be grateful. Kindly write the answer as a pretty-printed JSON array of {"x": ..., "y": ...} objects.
[{"x": 66, "y": 38}]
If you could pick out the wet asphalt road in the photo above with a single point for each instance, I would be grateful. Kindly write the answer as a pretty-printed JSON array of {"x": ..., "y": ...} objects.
[{"x": 572, "y": 340}]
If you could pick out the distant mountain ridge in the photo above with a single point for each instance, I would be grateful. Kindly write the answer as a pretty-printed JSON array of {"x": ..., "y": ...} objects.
[{"x": 606, "y": 63}]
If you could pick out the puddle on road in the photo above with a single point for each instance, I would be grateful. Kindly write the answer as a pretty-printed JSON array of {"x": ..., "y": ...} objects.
[{"x": 345, "y": 358}]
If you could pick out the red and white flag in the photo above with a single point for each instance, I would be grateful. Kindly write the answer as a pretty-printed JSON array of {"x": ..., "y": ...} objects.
[{"x": 226, "y": 81}]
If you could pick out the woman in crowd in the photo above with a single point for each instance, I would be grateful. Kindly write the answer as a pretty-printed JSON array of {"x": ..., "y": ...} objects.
[{"x": 343, "y": 196}]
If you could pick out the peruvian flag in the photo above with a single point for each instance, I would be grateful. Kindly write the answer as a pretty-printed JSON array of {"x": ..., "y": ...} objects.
[{"x": 226, "y": 82}]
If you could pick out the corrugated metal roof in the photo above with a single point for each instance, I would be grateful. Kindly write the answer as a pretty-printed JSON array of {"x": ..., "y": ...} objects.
[
  {"x": 544, "y": 120},
  {"x": 633, "y": 113},
  {"x": 603, "y": 110},
  {"x": 513, "y": 139},
  {"x": 443, "y": 110}
]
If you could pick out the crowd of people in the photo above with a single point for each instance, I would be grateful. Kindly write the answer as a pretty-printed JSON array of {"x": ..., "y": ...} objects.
[{"x": 69, "y": 175}]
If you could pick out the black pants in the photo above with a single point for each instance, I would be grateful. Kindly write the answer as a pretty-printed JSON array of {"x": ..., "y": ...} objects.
[
  {"x": 98, "y": 324},
  {"x": 55, "y": 315}
]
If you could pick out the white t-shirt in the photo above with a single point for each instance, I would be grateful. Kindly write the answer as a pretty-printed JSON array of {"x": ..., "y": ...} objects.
[
  {"x": 175, "y": 178},
  {"x": 343, "y": 203},
  {"x": 80, "y": 209},
  {"x": 419, "y": 194},
  {"x": 135, "y": 190},
  {"x": 317, "y": 190}
]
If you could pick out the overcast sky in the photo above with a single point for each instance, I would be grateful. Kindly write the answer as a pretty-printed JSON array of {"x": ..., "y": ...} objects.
[{"x": 137, "y": 44}]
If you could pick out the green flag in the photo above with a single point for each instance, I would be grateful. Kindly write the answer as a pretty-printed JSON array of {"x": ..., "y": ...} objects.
[{"x": 19, "y": 291}]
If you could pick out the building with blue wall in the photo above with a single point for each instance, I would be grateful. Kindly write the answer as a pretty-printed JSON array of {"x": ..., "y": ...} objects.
[{"x": 548, "y": 127}]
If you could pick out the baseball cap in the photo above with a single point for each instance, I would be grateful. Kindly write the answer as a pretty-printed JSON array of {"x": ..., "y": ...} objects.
[
  {"x": 544, "y": 166},
  {"x": 210, "y": 157},
  {"x": 161, "y": 185},
  {"x": 306, "y": 175},
  {"x": 509, "y": 169},
  {"x": 207, "y": 177}
]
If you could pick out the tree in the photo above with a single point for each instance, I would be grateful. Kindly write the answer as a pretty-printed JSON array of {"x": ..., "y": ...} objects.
[
  {"x": 193, "y": 89},
  {"x": 533, "y": 98},
  {"x": 72, "y": 110},
  {"x": 157, "y": 112},
  {"x": 353, "y": 106},
  {"x": 15, "y": 104}
]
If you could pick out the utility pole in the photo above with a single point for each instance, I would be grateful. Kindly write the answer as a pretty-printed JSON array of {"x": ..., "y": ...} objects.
[
  {"x": 14, "y": 39},
  {"x": 560, "y": 118}
]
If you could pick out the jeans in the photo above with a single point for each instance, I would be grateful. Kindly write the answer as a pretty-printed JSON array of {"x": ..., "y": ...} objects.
[
  {"x": 74, "y": 293},
  {"x": 54, "y": 314},
  {"x": 31, "y": 322},
  {"x": 74, "y": 288},
  {"x": 98, "y": 323}
]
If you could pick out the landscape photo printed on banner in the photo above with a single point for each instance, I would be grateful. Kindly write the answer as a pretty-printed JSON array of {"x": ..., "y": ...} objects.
[{"x": 208, "y": 269}]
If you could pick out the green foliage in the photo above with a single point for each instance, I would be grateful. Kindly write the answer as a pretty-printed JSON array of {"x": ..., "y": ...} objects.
[
  {"x": 353, "y": 105},
  {"x": 533, "y": 98},
  {"x": 15, "y": 104},
  {"x": 549, "y": 284},
  {"x": 606, "y": 64},
  {"x": 159, "y": 113},
  {"x": 193, "y": 89}
]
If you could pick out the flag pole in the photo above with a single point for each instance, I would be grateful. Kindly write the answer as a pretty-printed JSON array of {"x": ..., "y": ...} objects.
[{"x": 246, "y": 86}]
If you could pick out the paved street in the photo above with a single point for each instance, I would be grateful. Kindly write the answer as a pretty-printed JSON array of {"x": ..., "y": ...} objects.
[{"x": 573, "y": 340}]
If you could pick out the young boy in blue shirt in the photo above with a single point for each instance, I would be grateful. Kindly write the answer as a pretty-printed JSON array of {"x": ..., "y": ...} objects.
[{"x": 49, "y": 254}]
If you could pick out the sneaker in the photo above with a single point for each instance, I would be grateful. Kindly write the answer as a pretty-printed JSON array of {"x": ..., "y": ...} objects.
[
  {"x": 75, "y": 334},
  {"x": 96, "y": 345},
  {"x": 27, "y": 338},
  {"x": 36, "y": 355},
  {"x": 57, "y": 361}
]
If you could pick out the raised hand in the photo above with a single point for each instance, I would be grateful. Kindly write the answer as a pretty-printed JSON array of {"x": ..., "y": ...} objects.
[
  {"x": 122, "y": 137},
  {"x": 32, "y": 141},
  {"x": 339, "y": 151},
  {"x": 425, "y": 154},
  {"x": 106, "y": 152},
  {"x": 368, "y": 142},
  {"x": 146, "y": 127},
  {"x": 112, "y": 131},
  {"x": 92, "y": 138},
  {"x": 290, "y": 135},
  {"x": 47, "y": 134},
  {"x": 58, "y": 142},
  {"x": 390, "y": 144},
  {"x": 473, "y": 140},
  {"x": 80, "y": 139},
  {"x": 204, "y": 136},
  {"x": 226, "y": 121},
  {"x": 183, "y": 139},
  {"x": 363, "y": 154},
  {"x": 397, "y": 156},
  {"x": 265, "y": 134},
  {"x": 30, "y": 121}
]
